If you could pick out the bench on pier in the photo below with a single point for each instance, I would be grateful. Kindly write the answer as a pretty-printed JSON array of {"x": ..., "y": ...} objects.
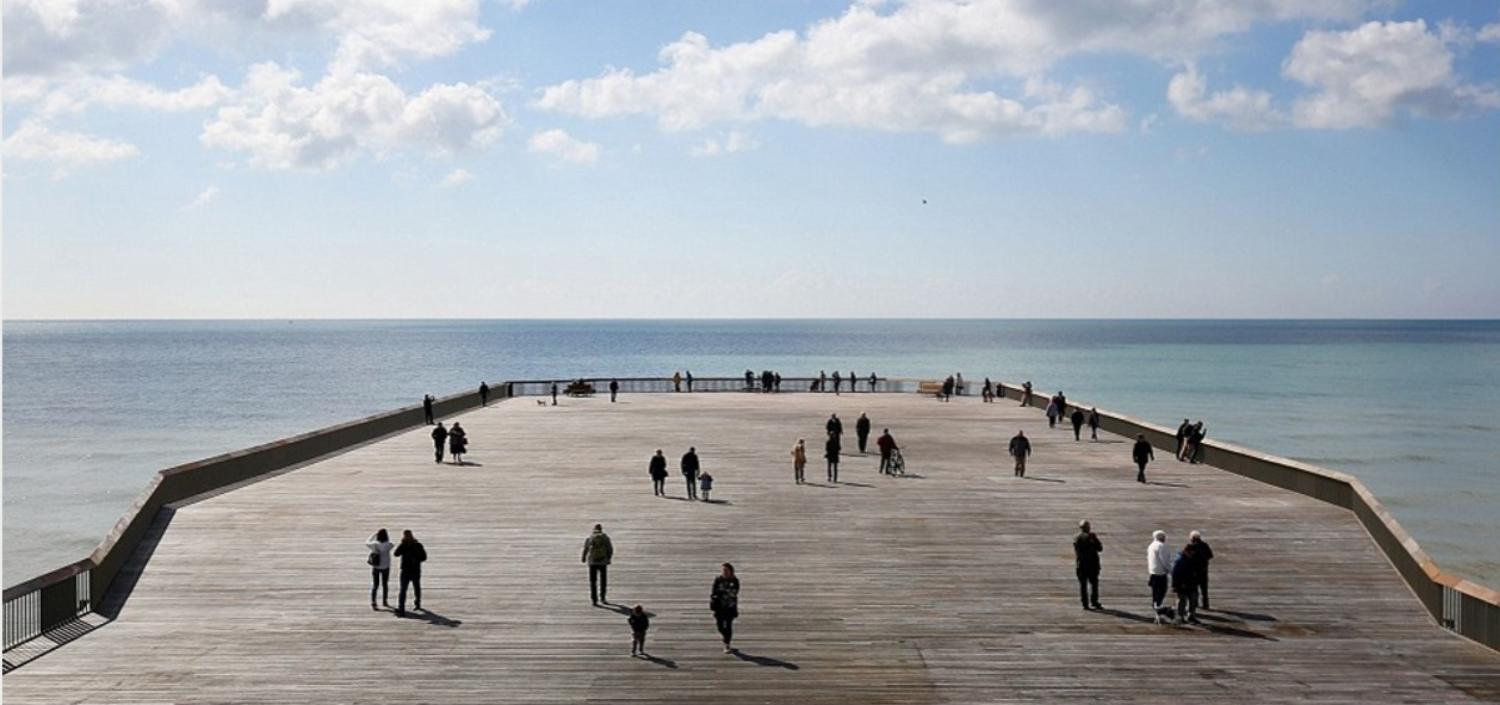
[
  {"x": 930, "y": 386},
  {"x": 579, "y": 389}
]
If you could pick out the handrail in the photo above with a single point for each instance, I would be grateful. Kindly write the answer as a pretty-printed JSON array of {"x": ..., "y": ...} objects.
[{"x": 35, "y": 606}]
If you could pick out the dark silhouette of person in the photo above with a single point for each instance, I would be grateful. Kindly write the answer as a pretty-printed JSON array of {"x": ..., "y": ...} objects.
[
  {"x": 777, "y": 379},
  {"x": 659, "y": 474},
  {"x": 412, "y": 555},
  {"x": 690, "y": 469},
  {"x": 439, "y": 441},
  {"x": 1182, "y": 436},
  {"x": 458, "y": 443},
  {"x": 614, "y": 390},
  {"x": 1020, "y": 448},
  {"x": 427, "y": 408},
  {"x": 749, "y": 380},
  {"x": 1062, "y": 404},
  {"x": 887, "y": 445},
  {"x": 862, "y": 431},
  {"x": 987, "y": 392},
  {"x": 1195, "y": 443},
  {"x": 822, "y": 381},
  {"x": 872, "y": 381},
  {"x": 1093, "y": 424},
  {"x": 676, "y": 381},
  {"x": 831, "y": 453},
  {"x": 1185, "y": 584},
  {"x": 1203, "y": 555},
  {"x": 639, "y": 623},
  {"x": 1086, "y": 550},
  {"x": 689, "y": 379},
  {"x": 1026, "y": 393},
  {"x": 724, "y": 602},
  {"x": 1077, "y": 418},
  {"x": 852, "y": 382},
  {"x": 837, "y": 380},
  {"x": 484, "y": 394},
  {"x": 948, "y": 388},
  {"x": 554, "y": 394},
  {"x": 834, "y": 427},
  {"x": 1141, "y": 453},
  {"x": 597, "y": 552}
]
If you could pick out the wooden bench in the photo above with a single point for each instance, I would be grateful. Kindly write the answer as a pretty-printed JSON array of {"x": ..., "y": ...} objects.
[
  {"x": 930, "y": 386},
  {"x": 580, "y": 389}
]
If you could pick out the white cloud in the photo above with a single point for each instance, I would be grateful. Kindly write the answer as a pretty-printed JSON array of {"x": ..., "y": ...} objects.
[
  {"x": 1240, "y": 108},
  {"x": 457, "y": 177},
  {"x": 112, "y": 92},
  {"x": 34, "y": 141},
  {"x": 732, "y": 143},
  {"x": 281, "y": 124},
  {"x": 1489, "y": 33},
  {"x": 564, "y": 147},
  {"x": 204, "y": 197},
  {"x": 924, "y": 66},
  {"x": 1367, "y": 75}
]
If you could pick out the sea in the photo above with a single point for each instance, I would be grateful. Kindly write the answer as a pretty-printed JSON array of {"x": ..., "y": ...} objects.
[{"x": 92, "y": 409}]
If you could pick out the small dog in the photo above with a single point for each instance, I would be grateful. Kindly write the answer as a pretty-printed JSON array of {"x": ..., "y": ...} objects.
[{"x": 541, "y": 402}]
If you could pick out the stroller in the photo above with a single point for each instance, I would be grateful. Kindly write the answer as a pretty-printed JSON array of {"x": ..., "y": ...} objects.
[{"x": 897, "y": 466}]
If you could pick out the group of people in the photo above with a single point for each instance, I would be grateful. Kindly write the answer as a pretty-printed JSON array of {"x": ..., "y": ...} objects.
[
  {"x": 953, "y": 384},
  {"x": 1190, "y": 441},
  {"x": 698, "y": 479},
  {"x": 723, "y": 596},
  {"x": 834, "y": 445},
  {"x": 456, "y": 440},
  {"x": 1186, "y": 574},
  {"x": 412, "y": 555},
  {"x": 821, "y": 383}
]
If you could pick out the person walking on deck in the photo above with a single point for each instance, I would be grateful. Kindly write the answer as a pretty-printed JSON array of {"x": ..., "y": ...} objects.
[
  {"x": 837, "y": 380},
  {"x": 484, "y": 394},
  {"x": 1052, "y": 413},
  {"x": 1158, "y": 567},
  {"x": 427, "y": 409},
  {"x": 1185, "y": 584},
  {"x": 690, "y": 472},
  {"x": 614, "y": 390},
  {"x": 1141, "y": 454},
  {"x": 799, "y": 461},
  {"x": 412, "y": 555},
  {"x": 380, "y": 548},
  {"x": 597, "y": 552},
  {"x": 458, "y": 443},
  {"x": 554, "y": 394},
  {"x": 676, "y": 381},
  {"x": 1026, "y": 393},
  {"x": 1086, "y": 550},
  {"x": 724, "y": 602},
  {"x": 887, "y": 445},
  {"x": 1077, "y": 418},
  {"x": 705, "y": 485},
  {"x": 1182, "y": 436},
  {"x": 639, "y": 623},
  {"x": 948, "y": 388},
  {"x": 689, "y": 379},
  {"x": 439, "y": 441},
  {"x": 1020, "y": 448},
  {"x": 1093, "y": 424},
  {"x": 831, "y": 453},
  {"x": 1205, "y": 554},
  {"x": 853, "y": 382},
  {"x": 1062, "y": 405},
  {"x": 862, "y": 431},
  {"x": 658, "y": 470},
  {"x": 873, "y": 380},
  {"x": 987, "y": 392},
  {"x": 834, "y": 427},
  {"x": 822, "y": 381}
]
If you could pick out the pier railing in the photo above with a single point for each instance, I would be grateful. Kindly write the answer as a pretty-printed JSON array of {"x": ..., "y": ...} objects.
[{"x": 53, "y": 600}]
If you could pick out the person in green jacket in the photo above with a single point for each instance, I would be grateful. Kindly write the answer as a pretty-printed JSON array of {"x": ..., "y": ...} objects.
[{"x": 597, "y": 552}]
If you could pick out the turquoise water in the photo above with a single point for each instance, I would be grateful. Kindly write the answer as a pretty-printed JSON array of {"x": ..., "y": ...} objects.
[{"x": 92, "y": 409}]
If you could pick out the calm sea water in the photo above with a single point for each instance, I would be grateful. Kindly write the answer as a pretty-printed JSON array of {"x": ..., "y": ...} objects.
[{"x": 92, "y": 409}]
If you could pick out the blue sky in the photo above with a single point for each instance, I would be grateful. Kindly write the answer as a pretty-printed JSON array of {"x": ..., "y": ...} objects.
[{"x": 457, "y": 158}]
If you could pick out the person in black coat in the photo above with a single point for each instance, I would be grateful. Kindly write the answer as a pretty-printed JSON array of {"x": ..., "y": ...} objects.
[
  {"x": 831, "y": 453},
  {"x": 862, "y": 431},
  {"x": 439, "y": 441},
  {"x": 724, "y": 602},
  {"x": 614, "y": 390},
  {"x": 1077, "y": 418},
  {"x": 1086, "y": 550},
  {"x": 1020, "y": 449},
  {"x": 484, "y": 394},
  {"x": 458, "y": 443},
  {"x": 412, "y": 555},
  {"x": 427, "y": 409},
  {"x": 1182, "y": 436},
  {"x": 1195, "y": 443},
  {"x": 1093, "y": 424},
  {"x": 690, "y": 468},
  {"x": 1141, "y": 454},
  {"x": 1204, "y": 555},
  {"x": 834, "y": 427},
  {"x": 659, "y": 474},
  {"x": 554, "y": 394},
  {"x": 1185, "y": 584}
]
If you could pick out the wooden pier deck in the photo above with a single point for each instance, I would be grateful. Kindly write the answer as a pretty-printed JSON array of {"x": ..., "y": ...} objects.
[{"x": 955, "y": 586}]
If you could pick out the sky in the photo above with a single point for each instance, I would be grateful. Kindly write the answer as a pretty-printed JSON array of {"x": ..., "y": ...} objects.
[{"x": 926, "y": 158}]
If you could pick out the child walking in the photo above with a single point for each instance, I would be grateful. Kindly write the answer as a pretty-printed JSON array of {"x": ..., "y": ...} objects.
[
  {"x": 639, "y": 623},
  {"x": 705, "y": 484}
]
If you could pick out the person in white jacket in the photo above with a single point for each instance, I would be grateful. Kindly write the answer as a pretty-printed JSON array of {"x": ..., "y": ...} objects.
[
  {"x": 380, "y": 547},
  {"x": 1158, "y": 566}
]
